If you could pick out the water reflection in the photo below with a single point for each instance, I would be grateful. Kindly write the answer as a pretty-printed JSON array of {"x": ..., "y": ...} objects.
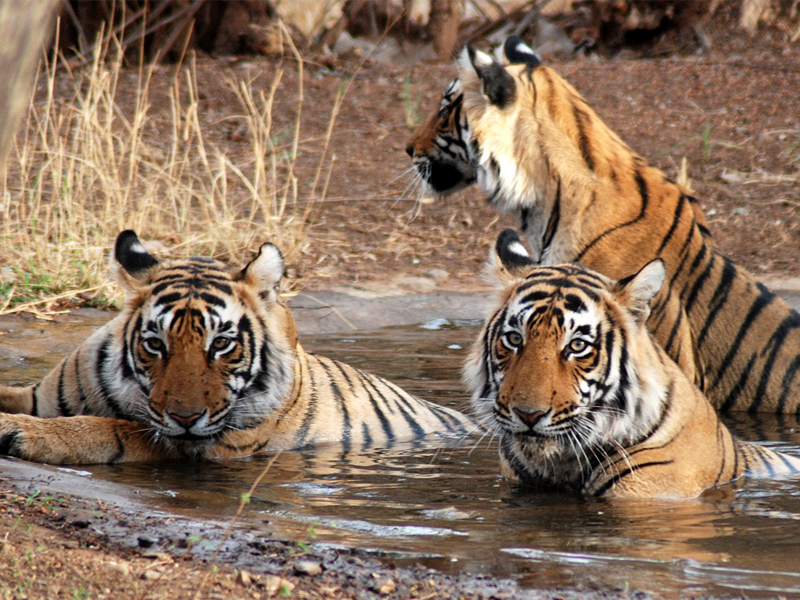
[{"x": 447, "y": 507}]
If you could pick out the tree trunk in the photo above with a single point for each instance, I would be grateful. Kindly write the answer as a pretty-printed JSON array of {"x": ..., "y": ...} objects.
[
  {"x": 25, "y": 28},
  {"x": 443, "y": 26}
]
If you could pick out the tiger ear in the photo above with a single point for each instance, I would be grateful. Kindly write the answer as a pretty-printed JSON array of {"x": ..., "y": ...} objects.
[
  {"x": 133, "y": 262},
  {"x": 637, "y": 291},
  {"x": 265, "y": 271},
  {"x": 509, "y": 261},
  {"x": 519, "y": 53},
  {"x": 497, "y": 84}
]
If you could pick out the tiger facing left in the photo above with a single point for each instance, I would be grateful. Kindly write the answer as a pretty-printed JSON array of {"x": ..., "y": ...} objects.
[
  {"x": 204, "y": 362},
  {"x": 583, "y": 398}
]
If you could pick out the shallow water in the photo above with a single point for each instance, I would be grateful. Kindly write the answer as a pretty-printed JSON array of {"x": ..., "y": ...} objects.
[{"x": 447, "y": 508}]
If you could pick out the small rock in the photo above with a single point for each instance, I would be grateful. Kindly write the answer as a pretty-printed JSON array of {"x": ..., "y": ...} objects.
[
  {"x": 385, "y": 587},
  {"x": 119, "y": 568},
  {"x": 80, "y": 522},
  {"x": 151, "y": 574},
  {"x": 438, "y": 275},
  {"x": 275, "y": 584},
  {"x": 740, "y": 210},
  {"x": 328, "y": 590},
  {"x": 159, "y": 556},
  {"x": 731, "y": 177},
  {"x": 450, "y": 513},
  {"x": 307, "y": 567},
  {"x": 243, "y": 578}
]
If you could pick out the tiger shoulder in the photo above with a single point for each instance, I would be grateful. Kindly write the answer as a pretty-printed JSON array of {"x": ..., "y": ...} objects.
[
  {"x": 203, "y": 362},
  {"x": 541, "y": 152},
  {"x": 583, "y": 398}
]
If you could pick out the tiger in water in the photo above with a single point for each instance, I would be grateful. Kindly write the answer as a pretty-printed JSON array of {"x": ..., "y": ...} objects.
[
  {"x": 582, "y": 398},
  {"x": 204, "y": 362}
]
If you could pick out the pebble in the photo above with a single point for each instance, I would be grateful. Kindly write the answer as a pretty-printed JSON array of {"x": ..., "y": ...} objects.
[
  {"x": 150, "y": 575},
  {"x": 451, "y": 513},
  {"x": 244, "y": 578},
  {"x": 307, "y": 567},
  {"x": 438, "y": 275},
  {"x": 121, "y": 568},
  {"x": 274, "y": 584},
  {"x": 731, "y": 177},
  {"x": 385, "y": 587},
  {"x": 160, "y": 556}
]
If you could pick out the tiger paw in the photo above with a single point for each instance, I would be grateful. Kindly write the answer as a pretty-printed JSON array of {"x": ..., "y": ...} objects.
[
  {"x": 11, "y": 439},
  {"x": 79, "y": 440}
]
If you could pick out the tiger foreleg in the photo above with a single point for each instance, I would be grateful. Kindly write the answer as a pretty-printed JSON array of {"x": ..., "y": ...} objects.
[
  {"x": 77, "y": 440},
  {"x": 16, "y": 399}
]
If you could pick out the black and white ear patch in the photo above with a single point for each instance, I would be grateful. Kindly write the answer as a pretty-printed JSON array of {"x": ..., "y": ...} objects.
[
  {"x": 265, "y": 271},
  {"x": 519, "y": 53},
  {"x": 131, "y": 254},
  {"x": 511, "y": 251},
  {"x": 498, "y": 85}
]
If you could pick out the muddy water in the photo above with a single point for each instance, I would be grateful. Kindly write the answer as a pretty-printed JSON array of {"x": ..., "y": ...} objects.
[{"x": 447, "y": 508}]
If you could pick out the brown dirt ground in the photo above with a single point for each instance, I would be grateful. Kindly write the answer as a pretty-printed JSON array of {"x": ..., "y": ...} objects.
[{"x": 733, "y": 114}]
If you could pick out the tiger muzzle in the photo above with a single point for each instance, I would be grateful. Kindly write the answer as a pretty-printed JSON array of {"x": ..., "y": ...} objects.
[
  {"x": 529, "y": 417},
  {"x": 186, "y": 419}
]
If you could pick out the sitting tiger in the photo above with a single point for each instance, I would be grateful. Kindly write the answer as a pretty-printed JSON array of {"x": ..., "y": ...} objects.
[
  {"x": 204, "y": 362},
  {"x": 581, "y": 194},
  {"x": 582, "y": 396}
]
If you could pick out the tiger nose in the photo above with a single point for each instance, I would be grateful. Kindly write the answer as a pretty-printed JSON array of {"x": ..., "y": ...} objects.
[
  {"x": 410, "y": 150},
  {"x": 186, "y": 420},
  {"x": 529, "y": 417}
]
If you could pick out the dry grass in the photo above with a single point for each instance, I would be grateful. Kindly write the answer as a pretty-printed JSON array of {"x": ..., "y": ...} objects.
[{"x": 83, "y": 169}]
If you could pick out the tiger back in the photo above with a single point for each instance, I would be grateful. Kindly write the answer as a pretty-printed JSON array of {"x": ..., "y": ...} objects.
[
  {"x": 581, "y": 194},
  {"x": 581, "y": 396},
  {"x": 204, "y": 362}
]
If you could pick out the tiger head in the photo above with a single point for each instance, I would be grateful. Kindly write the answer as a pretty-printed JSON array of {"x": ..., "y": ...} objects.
[
  {"x": 565, "y": 362},
  {"x": 520, "y": 127},
  {"x": 209, "y": 347},
  {"x": 439, "y": 147}
]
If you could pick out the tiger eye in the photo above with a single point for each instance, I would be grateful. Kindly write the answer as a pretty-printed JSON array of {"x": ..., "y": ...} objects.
[
  {"x": 577, "y": 345},
  {"x": 220, "y": 343},
  {"x": 514, "y": 339}
]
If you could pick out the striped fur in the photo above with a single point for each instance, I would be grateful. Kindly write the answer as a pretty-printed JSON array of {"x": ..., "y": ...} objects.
[
  {"x": 583, "y": 398},
  {"x": 204, "y": 362},
  {"x": 581, "y": 194}
]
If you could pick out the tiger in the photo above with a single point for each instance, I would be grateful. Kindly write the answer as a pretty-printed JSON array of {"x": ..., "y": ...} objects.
[
  {"x": 204, "y": 362},
  {"x": 582, "y": 396},
  {"x": 582, "y": 195}
]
